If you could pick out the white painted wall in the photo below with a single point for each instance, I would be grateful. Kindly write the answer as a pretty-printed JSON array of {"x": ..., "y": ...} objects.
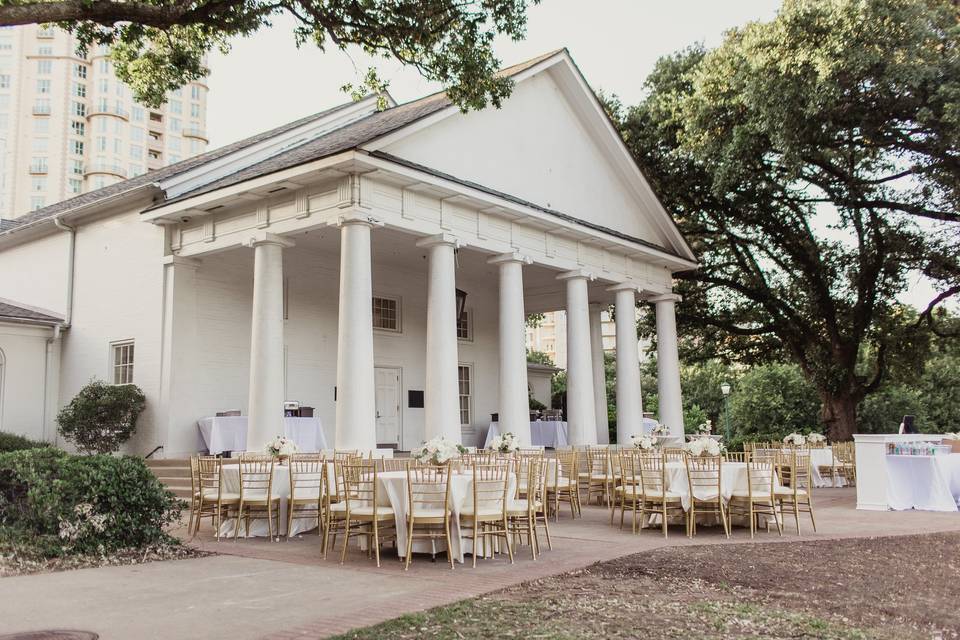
[
  {"x": 22, "y": 371},
  {"x": 35, "y": 273},
  {"x": 534, "y": 147}
]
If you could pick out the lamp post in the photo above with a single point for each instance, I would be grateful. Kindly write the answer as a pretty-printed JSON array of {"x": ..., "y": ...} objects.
[{"x": 725, "y": 390}]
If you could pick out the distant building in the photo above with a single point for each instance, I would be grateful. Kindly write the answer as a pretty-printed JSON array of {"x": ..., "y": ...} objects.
[
  {"x": 550, "y": 337},
  {"x": 68, "y": 126}
]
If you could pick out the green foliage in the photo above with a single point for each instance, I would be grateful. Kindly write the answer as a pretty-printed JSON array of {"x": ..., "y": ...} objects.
[
  {"x": 160, "y": 45},
  {"x": 811, "y": 162},
  {"x": 534, "y": 320},
  {"x": 771, "y": 401},
  {"x": 102, "y": 416},
  {"x": 14, "y": 442},
  {"x": 694, "y": 416},
  {"x": 539, "y": 357},
  {"x": 881, "y": 412},
  {"x": 60, "y": 504}
]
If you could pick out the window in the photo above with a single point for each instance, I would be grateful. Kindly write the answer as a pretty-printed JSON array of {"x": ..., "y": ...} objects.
[
  {"x": 78, "y": 109},
  {"x": 76, "y": 166},
  {"x": 174, "y": 144},
  {"x": 176, "y": 107},
  {"x": 117, "y": 146},
  {"x": 175, "y": 125},
  {"x": 464, "y": 376},
  {"x": 101, "y": 143},
  {"x": 41, "y": 125},
  {"x": 103, "y": 66},
  {"x": 136, "y": 134},
  {"x": 43, "y": 86},
  {"x": 41, "y": 144},
  {"x": 156, "y": 117},
  {"x": 135, "y": 170},
  {"x": 136, "y": 152},
  {"x": 44, "y": 67},
  {"x": 122, "y": 362},
  {"x": 44, "y": 50},
  {"x": 38, "y": 165},
  {"x": 194, "y": 92},
  {"x": 5, "y": 81},
  {"x": 137, "y": 114},
  {"x": 37, "y": 202},
  {"x": 102, "y": 105},
  {"x": 386, "y": 313},
  {"x": 79, "y": 89},
  {"x": 38, "y": 183},
  {"x": 76, "y": 148},
  {"x": 78, "y": 127},
  {"x": 103, "y": 85},
  {"x": 45, "y": 32},
  {"x": 194, "y": 110},
  {"x": 74, "y": 185},
  {"x": 465, "y": 326},
  {"x": 80, "y": 71}
]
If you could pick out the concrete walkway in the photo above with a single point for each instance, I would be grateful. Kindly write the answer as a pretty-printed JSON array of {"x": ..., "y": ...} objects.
[{"x": 257, "y": 588}]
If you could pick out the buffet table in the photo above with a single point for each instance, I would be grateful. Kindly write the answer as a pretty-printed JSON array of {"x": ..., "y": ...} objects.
[
  {"x": 927, "y": 483},
  {"x": 543, "y": 433},
  {"x": 229, "y": 433}
]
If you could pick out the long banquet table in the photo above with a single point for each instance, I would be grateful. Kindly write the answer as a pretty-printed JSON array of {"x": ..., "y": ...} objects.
[
  {"x": 543, "y": 433},
  {"x": 229, "y": 433}
]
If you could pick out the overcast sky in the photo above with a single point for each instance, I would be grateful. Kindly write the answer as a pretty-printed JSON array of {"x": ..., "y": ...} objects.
[{"x": 266, "y": 81}]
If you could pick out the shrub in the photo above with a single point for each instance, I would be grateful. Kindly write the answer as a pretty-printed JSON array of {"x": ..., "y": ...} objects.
[
  {"x": 60, "y": 504},
  {"x": 14, "y": 442},
  {"x": 881, "y": 412},
  {"x": 770, "y": 401},
  {"x": 102, "y": 416}
]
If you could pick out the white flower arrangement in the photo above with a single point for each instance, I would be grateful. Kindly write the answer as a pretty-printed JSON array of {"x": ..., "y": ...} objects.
[
  {"x": 281, "y": 446},
  {"x": 704, "y": 446},
  {"x": 796, "y": 439},
  {"x": 816, "y": 438},
  {"x": 437, "y": 450},
  {"x": 644, "y": 443},
  {"x": 506, "y": 443},
  {"x": 660, "y": 430},
  {"x": 705, "y": 428},
  {"x": 86, "y": 522},
  {"x": 951, "y": 436}
]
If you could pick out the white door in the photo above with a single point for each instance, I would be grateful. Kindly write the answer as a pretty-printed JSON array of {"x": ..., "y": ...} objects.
[{"x": 388, "y": 406}]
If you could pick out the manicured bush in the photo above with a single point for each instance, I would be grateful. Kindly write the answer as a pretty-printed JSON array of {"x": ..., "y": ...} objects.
[
  {"x": 61, "y": 504},
  {"x": 14, "y": 442},
  {"x": 771, "y": 401},
  {"x": 102, "y": 416}
]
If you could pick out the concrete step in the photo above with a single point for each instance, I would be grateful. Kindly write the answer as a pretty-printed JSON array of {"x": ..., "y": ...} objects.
[
  {"x": 155, "y": 463},
  {"x": 180, "y": 491}
]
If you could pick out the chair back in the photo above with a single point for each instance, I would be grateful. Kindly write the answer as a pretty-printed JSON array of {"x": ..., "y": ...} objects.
[
  {"x": 598, "y": 461},
  {"x": 761, "y": 474},
  {"x": 359, "y": 487},
  {"x": 735, "y": 456},
  {"x": 256, "y": 476},
  {"x": 308, "y": 475},
  {"x": 703, "y": 474},
  {"x": 428, "y": 489},
  {"x": 194, "y": 475},
  {"x": 568, "y": 466},
  {"x": 674, "y": 454},
  {"x": 531, "y": 451},
  {"x": 798, "y": 463},
  {"x": 490, "y": 485},
  {"x": 653, "y": 472},
  {"x": 480, "y": 456},
  {"x": 629, "y": 462},
  {"x": 392, "y": 464},
  {"x": 210, "y": 475}
]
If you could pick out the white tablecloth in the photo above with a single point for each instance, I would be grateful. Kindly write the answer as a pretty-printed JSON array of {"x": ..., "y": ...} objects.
[
  {"x": 229, "y": 433},
  {"x": 543, "y": 433},
  {"x": 261, "y": 528},
  {"x": 733, "y": 477},
  {"x": 928, "y": 483},
  {"x": 824, "y": 457}
]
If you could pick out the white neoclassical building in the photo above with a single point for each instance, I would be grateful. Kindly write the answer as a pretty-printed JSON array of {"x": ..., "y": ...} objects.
[{"x": 325, "y": 261}]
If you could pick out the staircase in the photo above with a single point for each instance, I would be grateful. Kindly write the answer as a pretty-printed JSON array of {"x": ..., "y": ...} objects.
[{"x": 174, "y": 474}]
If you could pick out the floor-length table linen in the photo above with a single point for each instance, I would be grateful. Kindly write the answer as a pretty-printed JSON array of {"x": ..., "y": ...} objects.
[
  {"x": 229, "y": 433},
  {"x": 281, "y": 489},
  {"x": 926, "y": 483},
  {"x": 543, "y": 433}
]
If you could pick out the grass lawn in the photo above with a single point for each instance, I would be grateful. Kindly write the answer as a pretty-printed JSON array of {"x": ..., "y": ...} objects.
[{"x": 886, "y": 588}]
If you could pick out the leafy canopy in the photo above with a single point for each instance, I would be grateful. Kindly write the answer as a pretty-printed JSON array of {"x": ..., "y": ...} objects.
[
  {"x": 160, "y": 45},
  {"x": 813, "y": 162}
]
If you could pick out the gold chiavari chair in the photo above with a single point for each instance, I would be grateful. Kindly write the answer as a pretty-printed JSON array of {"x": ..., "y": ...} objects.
[
  {"x": 480, "y": 456},
  {"x": 531, "y": 451},
  {"x": 308, "y": 487},
  {"x": 629, "y": 492},
  {"x": 657, "y": 499},
  {"x": 674, "y": 454},
  {"x": 735, "y": 456},
  {"x": 486, "y": 513},
  {"x": 562, "y": 483},
  {"x": 256, "y": 494},
  {"x": 428, "y": 507},
  {"x": 194, "y": 490},
  {"x": 845, "y": 455},
  {"x": 213, "y": 501},
  {"x": 527, "y": 512},
  {"x": 759, "y": 498},
  {"x": 829, "y": 470},
  {"x": 798, "y": 497},
  {"x": 749, "y": 446},
  {"x": 598, "y": 474},
  {"x": 392, "y": 464},
  {"x": 359, "y": 514},
  {"x": 704, "y": 474}
]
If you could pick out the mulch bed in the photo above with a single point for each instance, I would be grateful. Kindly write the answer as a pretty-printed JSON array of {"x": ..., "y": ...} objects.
[
  {"x": 885, "y": 588},
  {"x": 16, "y": 562}
]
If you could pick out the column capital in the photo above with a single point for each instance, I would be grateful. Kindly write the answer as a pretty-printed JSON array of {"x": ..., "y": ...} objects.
[
  {"x": 576, "y": 273},
  {"x": 625, "y": 286},
  {"x": 179, "y": 261},
  {"x": 356, "y": 217},
  {"x": 263, "y": 237},
  {"x": 665, "y": 297},
  {"x": 510, "y": 256},
  {"x": 440, "y": 239}
]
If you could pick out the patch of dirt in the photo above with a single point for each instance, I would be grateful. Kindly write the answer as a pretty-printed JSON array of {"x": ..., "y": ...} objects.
[{"x": 16, "y": 563}]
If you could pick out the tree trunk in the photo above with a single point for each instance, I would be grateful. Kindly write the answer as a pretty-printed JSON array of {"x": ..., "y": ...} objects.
[{"x": 839, "y": 414}]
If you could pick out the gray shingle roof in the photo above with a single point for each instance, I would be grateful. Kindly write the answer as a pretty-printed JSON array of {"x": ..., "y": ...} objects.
[
  {"x": 18, "y": 313},
  {"x": 7, "y": 224},
  {"x": 165, "y": 172}
]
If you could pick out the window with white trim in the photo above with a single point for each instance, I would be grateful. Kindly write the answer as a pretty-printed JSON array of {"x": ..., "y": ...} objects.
[
  {"x": 465, "y": 326},
  {"x": 465, "y": 382},
  {"x": 122, "y": 359},
  {"x": 386, "y": 313}
]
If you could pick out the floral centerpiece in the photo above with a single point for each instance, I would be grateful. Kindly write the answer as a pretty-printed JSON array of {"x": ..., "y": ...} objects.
[
  {"x": 705, "y": 428},
  {"x": 704, "y": 446},
  {"x": 281, "y": 447},
  {"x": 437, "y": 451},
  {"x": 644, "y": 443},
  {"x": 796, "y": 439},
  {"x": 660, "y": 430},
  {"x": 506, "y": 443},
  {"x": 816, "y": 438}
]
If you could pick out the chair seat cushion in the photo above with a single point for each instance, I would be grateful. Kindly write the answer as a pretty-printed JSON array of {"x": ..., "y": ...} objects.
[
  {"x": 307, "y": 494},
  {"x": 628, "y": 489},
  {"x": 787, "y": 491},
  {"x": 745, "y": 495},
  {"x": 428, "y": 512},
  {"x": 522, "y": 507},
  {"x": 660, "y": 495},
  {"x": 599, "y": 476},
  {"x": 226, "y": 496},
  {"x": 562, "y": 483},
  {"x": 368, "y": 511},
  {"x": 258, "y": 495},
  {"x": 467, "y": 512}
]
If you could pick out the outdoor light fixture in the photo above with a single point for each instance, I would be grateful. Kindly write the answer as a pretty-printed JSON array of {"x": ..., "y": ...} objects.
[
  {"x": 725, "y": 388},
  {"x": 461, "y": 302}
]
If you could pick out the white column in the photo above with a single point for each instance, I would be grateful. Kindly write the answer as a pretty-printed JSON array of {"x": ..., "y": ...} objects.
[
  {"x": 629, "y": 403},
  {"x": 599, "y": 375},
  {"x": 265, "y": 405},
  {"x": 668, "y": 364},
  {"x": 356, "y": 389},
  {"x": 581, "y": 406},
  {"x": 442, "y": 396},
  {"x": 514, "y": 406}
]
